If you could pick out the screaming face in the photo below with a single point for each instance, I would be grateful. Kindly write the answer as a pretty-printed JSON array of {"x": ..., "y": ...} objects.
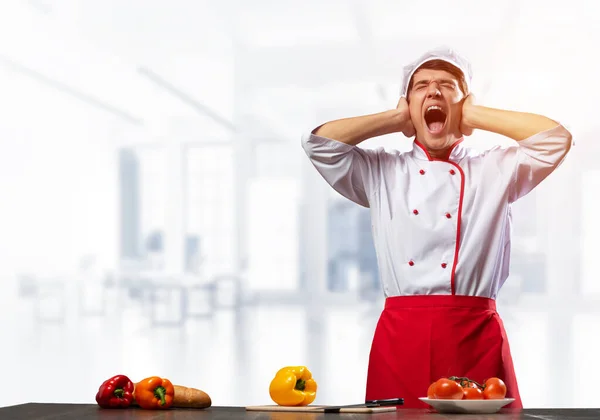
[{"x": 435, "y": 105}]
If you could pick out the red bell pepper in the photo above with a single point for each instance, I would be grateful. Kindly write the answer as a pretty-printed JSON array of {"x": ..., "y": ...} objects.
[{"x": 116, "y": 392}]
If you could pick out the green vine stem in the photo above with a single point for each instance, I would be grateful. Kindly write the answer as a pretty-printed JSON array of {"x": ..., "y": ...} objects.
[{"x": 462, "y": 380}]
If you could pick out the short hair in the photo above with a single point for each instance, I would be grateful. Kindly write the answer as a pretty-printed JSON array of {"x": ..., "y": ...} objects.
[{"x": 445, "y": 66}]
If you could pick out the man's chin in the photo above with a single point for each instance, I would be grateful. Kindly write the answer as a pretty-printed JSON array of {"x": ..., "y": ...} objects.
[{"x": 435, "y": 141}]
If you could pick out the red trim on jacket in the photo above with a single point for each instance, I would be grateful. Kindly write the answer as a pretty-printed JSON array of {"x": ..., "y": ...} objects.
[{"x": 448, "y": 153}]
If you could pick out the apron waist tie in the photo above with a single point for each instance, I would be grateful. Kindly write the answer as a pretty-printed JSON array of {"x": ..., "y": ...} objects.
[{"x": 440, "y": 301}]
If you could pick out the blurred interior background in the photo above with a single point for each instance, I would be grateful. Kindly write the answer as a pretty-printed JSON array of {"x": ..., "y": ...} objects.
[{"x": 159, "y": 216}]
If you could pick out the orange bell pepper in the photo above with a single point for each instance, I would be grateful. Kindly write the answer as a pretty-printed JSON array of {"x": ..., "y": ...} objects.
[
  {"x": 154, "y": 393},
  {"x": 293, "y": 386}
]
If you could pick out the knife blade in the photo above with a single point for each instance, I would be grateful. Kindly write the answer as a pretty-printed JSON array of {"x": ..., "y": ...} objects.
[{"x": 366, "y": 404}]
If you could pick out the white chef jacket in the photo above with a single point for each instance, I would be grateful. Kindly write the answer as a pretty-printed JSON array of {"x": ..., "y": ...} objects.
[{"x": 440, "y": 227}]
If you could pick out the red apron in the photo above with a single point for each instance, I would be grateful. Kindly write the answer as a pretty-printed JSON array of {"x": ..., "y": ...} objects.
[{"x": 420, "y": 339}]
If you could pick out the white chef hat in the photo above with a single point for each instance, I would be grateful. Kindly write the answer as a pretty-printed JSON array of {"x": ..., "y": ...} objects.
[{"x": 441, "y": 53}]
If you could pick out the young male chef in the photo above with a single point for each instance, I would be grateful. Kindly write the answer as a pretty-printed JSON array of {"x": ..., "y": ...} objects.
[{"x": 441, "y": 223}]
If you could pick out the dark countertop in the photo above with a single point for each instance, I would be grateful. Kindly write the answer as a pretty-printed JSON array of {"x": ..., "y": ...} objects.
[{"x": 34, "y": 411}]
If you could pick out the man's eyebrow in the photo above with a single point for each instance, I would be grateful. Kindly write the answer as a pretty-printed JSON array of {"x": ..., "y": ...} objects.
[{"x": 447, "y": 81}]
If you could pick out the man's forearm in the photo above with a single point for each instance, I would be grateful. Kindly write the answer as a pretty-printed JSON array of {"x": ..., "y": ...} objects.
[
  {"x": 357, "y": 129},
  {"x": 516, "y": 125}
]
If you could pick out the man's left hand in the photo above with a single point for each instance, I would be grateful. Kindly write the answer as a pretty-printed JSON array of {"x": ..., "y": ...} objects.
[{"x": 465, "y": 126}]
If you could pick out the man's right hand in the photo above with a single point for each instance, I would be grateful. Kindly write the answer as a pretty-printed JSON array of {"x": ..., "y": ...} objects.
[{"x": 407, "y": 128}]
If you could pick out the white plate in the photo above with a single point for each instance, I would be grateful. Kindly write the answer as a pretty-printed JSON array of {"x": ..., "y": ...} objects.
[{"x": 468, "y": 406}]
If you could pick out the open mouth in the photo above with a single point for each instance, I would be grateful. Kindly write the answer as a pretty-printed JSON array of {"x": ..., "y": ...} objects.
[{"x": 435, "y": 119}]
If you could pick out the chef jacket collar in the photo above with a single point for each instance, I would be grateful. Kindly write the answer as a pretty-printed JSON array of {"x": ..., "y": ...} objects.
[{"x": 456, "y": 152}]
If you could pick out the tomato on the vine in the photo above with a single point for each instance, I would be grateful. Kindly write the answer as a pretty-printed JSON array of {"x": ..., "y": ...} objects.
[
  {"x": 430, "y": 390},
  {"x": 458, "y": 388},
  {"x": 445, "y": 389},
  {"x": 494, "y": 389},
  {"x": 472, "y": 393}
]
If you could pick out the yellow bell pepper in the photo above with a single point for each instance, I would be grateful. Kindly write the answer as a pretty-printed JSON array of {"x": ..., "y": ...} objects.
[{"x": 293, "y": 386}]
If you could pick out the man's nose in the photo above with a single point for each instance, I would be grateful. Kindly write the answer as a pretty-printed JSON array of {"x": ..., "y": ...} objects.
[{"x": 433, "y": 90}]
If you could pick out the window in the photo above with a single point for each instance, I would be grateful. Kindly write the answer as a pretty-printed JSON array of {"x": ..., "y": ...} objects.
[
  {"x": 590, "y": 233},
  {"x": 584, "y": 360},
  {"x": 209, "y": 210},
  {"x": 272, "y": 221},
  {"x": 153, "y": 195}
]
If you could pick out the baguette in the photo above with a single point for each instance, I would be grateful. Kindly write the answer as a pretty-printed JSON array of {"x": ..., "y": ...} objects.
[{"x": 186, "y": 397}]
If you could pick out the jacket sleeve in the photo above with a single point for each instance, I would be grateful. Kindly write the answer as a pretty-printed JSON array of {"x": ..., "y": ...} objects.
[
  {"x": 536, "y": 157},
  {"x": 349, "y": 170}
]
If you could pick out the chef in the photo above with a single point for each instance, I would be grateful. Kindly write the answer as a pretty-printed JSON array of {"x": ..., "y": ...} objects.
[{"x": 441, "y": 222}]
